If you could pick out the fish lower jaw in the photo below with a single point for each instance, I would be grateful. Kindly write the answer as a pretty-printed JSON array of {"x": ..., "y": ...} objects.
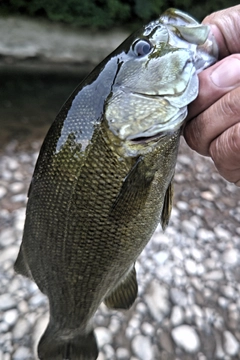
[{"x": 159, "y": 131}]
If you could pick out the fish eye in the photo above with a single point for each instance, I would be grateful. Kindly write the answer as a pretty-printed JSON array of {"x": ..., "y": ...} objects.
[{"x": 142, "y": 47}]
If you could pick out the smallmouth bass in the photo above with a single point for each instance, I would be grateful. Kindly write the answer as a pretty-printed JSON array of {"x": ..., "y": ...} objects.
[{"x": 103, "y": 179}]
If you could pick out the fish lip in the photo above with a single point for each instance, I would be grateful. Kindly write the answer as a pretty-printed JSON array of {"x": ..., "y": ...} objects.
[{"x": 156, "y": 137}]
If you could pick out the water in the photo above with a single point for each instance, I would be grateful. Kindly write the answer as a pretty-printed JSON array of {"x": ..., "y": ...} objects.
[{"x": 30, "y": 101}]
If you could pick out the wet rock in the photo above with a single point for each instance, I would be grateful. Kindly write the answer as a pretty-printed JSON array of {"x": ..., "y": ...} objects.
[{"x": 187, "y": 338}]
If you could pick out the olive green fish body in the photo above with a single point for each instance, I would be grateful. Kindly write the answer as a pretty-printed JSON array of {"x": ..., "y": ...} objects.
[{"x": 103, "y": 179}]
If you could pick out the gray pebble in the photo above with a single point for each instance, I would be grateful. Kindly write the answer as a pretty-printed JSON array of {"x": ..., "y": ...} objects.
[
  {"x": 156, "y": 298},
  {"x": 22, "y": 353},
  {"x": 122, "y": 354},
  {"x": 22, "y": 327},
  {"x": 177, "y": 316},
  {"x": 9, "y": 253},
  {"x": 231, "y": 345},
  {"x": 7, "y": 302},
  {"x": 142, "y": 347},
  {"x": 10, "y": 317},
  {"x": 231, "y": 257},
  {"x": 103, "y": 336},
  {"x": 178, "y": 297},
  {"x": 187, "y": 338}
]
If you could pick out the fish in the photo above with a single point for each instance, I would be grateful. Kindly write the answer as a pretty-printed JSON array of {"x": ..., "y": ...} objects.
[{"x": 103, "y": 180}]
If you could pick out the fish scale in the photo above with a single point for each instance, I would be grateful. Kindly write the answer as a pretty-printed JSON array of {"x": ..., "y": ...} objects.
[{"x": 103, "y": 179}]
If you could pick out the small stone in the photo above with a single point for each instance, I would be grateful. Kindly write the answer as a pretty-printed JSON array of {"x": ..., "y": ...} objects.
[
  {"x": 231, "y": 345},
  {"x": 222, "y": 233},
  {"x": 10, "y": 316},
  {"x": 182, "y": 205},
  {"x": 142, "y": 347},
  {"x": 157, "y": 300},
  {"x": 3, "y": 192},
  {"x": 231, "y": 257},
  {"x": 223, "y": 302},
  {"x": 103, "y": 336},
  {"x": 114, "y": 325},
  {"x": 37, "y": 300},
  {"x": 191, "y": 267},
  {"x": 147, "y": 329},
  {"x": 18, "y": 198},
  {"x": 9, "y": 253},
  {"x": 177, "y": 253},
  {"x": 161, "y": 257},
  {"x": 178, "y": 297},
  {"x": 141, "y": 308},
  {"x": 214, "y": 275},
  {"x": 187, "y": 338},
  {"x": 122, "y": 354},
  {"x": 12, "y": 163},
  {"x": 177, "y": 316},
  {"x": 196, "y": 254},
  {"x": 109, "y": 351},
  {"x": 7, "y": 302},
  {"x": 189, "y": 227},
  {"x": 16, "y": 187},
  {"x": 205, "y": 235},
  {"x": 22, "y": 353},
  {"x": 7, "y": 237},
  {"x": 228, "y": 291},
  {"x": 207, "y": 195},
  {"x": 21, "y": 328},
  {"x": 166, "y": 341}
]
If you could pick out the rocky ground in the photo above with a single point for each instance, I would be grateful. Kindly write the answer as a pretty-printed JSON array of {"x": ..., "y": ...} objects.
[{"x": 189, "y": 277}]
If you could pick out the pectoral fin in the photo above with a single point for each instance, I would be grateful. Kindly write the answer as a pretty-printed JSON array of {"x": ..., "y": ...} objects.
[
  {"x": 133, "y": 193},
  {"x": 125, "y": 293},
  {"x": 167, "y": 206}
]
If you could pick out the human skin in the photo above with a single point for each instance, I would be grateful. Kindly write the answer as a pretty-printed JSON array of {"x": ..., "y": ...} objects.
[{"x": 213, "y": 127}]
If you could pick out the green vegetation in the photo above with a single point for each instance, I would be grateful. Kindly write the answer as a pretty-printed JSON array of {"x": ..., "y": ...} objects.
[{"x": 108, "y": 13}]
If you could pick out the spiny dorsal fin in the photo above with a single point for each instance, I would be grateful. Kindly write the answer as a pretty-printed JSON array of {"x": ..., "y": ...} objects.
[
  {"x": 125, "y": 293},
  {"x": 167, "y": 206}
]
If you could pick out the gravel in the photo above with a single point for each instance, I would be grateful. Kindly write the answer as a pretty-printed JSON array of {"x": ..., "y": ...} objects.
[{"x": 189, "y": 277}]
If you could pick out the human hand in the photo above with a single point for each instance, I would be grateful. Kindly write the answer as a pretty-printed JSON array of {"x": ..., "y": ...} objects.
[{"x": 214, "y": 126}]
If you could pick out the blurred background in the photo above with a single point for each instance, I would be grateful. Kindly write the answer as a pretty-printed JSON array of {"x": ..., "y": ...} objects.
[{"x": 188, "y": 305}]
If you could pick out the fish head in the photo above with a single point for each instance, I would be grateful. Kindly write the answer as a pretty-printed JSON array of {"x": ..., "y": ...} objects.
[{"x": 157, "y": 77}]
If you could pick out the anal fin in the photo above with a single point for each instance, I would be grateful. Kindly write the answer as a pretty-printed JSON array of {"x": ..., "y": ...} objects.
[{"x": 125, "y": 292}]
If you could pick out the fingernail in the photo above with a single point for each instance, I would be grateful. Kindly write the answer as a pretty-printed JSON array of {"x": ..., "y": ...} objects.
[{"x": 227, "y": 74}]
